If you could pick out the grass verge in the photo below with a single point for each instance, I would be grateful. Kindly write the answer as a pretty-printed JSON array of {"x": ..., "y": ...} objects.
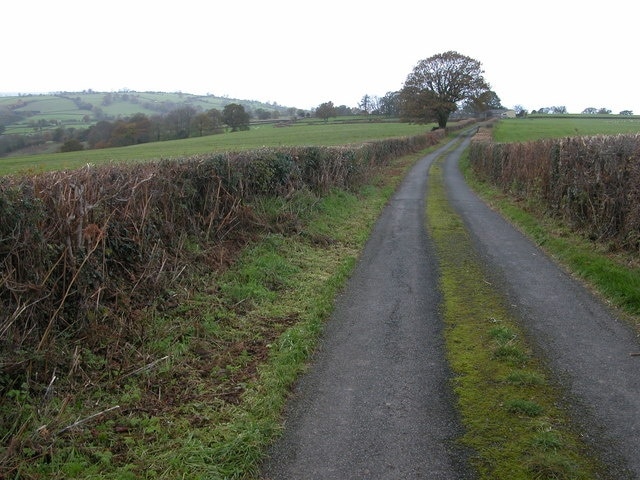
[
  {"x": 509, "y": 409},
  {"x": 217, "y": 364}
]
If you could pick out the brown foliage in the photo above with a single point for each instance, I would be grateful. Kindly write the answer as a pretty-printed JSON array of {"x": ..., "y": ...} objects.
[
  {"x": 592, "y": 183},
  {"x": 83, "y": 252}
]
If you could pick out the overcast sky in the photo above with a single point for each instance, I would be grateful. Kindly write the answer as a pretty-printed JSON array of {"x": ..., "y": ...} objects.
[{"x": 576, "y": 53}]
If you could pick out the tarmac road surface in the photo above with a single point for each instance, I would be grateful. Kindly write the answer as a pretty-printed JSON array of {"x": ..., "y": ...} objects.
[
  {"x": 587, "y": 346},
  {"x": 376, "y": 402}
]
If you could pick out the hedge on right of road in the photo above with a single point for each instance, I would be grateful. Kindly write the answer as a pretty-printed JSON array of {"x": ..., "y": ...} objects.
[{"x": 591, "y": 183}]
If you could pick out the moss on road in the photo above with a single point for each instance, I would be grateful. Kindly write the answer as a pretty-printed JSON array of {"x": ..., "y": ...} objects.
[{"x": 510, "y": 411}]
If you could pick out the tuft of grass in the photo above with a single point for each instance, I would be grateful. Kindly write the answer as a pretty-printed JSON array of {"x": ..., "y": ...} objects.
[
  {"x": 548, "y": 440},
  {"x": 503, "y": 335},
  {"x": 520, "y": 377},
  {"x": 552, "y": 466},
  {"x": 524, "y": 407},
  {"x": 511, "y": 354}
]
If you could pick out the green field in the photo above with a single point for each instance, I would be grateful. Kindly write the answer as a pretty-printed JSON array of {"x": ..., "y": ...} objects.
[
  {"x": 92, "y": 106},
  {"x": 313, "y": 132},
  {"x": 302, "y": 133},
  {"x": 526, "y": 129}
]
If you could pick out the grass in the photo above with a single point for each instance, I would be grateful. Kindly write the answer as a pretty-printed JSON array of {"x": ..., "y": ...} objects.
[
  {"x": 213, "y": 371},
  {"x": 526, "y": 129},
  {"x": 503, "y": 396},
  {"x": 258, "y": 136}
]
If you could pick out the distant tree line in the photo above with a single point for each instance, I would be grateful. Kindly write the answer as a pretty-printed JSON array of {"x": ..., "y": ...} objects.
[
  {"x": 180, "y": 123},
  {"x": 561, "y": 109},
  {"x": 388, "y": 105},
  {"x": 555, "y": 110},
  {"x": 603, "y": 111}
]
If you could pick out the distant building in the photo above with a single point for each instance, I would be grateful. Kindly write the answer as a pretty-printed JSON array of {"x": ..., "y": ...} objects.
[{"x": 500, "y": 113}]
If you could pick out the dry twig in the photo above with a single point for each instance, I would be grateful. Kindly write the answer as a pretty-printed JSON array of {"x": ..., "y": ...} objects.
[{"x": 86, "y": 419}]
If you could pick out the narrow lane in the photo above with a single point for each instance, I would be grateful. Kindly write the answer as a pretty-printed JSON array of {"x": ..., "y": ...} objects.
[
  {"x": 586, "y": 346},
  {"x": 376, "y": 402}
]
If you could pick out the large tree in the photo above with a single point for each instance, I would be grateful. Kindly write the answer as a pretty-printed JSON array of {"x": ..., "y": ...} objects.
[
  {"x": 437, "y": 84},
  {"x": 235, "y": 117},
  {"x": 326, "y": 110},
  {"x": 487, "y": 100}
]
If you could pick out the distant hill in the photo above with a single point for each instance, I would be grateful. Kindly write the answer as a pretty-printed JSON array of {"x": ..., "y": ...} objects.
[{"x": 29, "y": 113}]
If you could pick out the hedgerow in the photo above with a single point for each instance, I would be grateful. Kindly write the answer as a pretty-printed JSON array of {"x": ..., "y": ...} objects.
[
  {"x": 84, "y": 252},
  {"x": 591, "y": 183}
]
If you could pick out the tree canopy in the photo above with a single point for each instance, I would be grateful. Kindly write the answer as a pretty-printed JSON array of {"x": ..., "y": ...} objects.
[
  {"x": 487, "y": 100},
  {"x": 437, "y": 84},
  {"x": 235, "y": 117},
  {"x": 326, "y": 110}
]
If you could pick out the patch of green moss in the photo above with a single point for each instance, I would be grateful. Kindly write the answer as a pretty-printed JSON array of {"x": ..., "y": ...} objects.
[{"x": 503, "y": 397}]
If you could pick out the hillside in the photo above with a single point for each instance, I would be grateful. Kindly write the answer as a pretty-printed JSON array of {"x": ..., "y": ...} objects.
[{"x": 25, "y": 114}]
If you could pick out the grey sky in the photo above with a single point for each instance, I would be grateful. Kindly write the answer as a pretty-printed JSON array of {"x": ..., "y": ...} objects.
[{"x": 544, "y": 53}]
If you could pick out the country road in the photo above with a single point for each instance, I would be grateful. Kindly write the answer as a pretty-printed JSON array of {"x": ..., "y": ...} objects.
[{"x": 376, "y": 402}]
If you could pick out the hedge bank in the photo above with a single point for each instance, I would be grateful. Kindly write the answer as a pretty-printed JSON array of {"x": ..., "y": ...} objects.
[
  {"x": 591, "y": 183},
  {"x": 83, "y": 252}
]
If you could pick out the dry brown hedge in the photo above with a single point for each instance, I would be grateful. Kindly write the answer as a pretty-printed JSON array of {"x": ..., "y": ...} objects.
[
  {"x": 82, "y": 251},
  {"x": 592, "y": 183}
]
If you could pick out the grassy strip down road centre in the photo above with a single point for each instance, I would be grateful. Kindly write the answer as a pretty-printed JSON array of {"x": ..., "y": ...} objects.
[{"x": 508, "y": 407}]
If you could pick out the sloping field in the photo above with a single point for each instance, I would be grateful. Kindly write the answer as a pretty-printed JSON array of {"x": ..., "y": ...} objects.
[
  {"x": 301, "y": 133},
  {"x": 79, "y": 109}
]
